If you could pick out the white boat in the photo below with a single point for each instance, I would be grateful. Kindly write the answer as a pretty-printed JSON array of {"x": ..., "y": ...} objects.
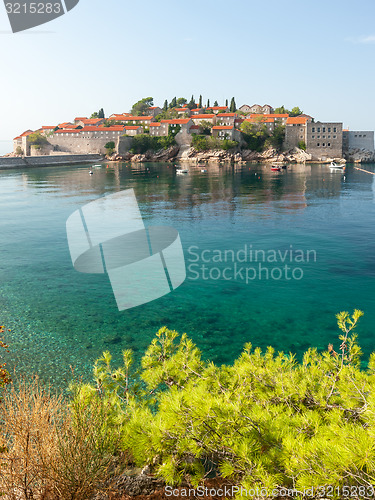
[
  {"x": 182, "y": 171},
  {"x": 96, "y": 166},
  {"x": 204, "y": 170},
  {"x": 337, "y": 166}
]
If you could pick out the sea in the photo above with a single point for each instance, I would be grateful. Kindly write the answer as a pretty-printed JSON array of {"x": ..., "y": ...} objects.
[{"x": 271, "y": 258}]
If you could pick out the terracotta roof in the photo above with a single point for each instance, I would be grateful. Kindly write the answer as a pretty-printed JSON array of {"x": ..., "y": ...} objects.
[
  {"x": 218, "y": 107},
  {"x": 226, "y": 114},
  {"x": 156, "y": 124},
  {"x": 121, "y": 117},
  {"x": 296, "y": 120},
  {"x": 64, "y": 124},
  {"x": 153, "y": 107},
  {"x": 130, "y": 118},
  {"x": 204, "y": 116},
  {"x": 222, "y": 127},
  {"x": 264, "y": 120},
  {"x": 345, "y": 130},
  {"x": 177, "y": 121},
  {"x": 272, "y": 115},
  {"x": 90, "y": 121},
  {"x": 182, "y": 109},
  {"x": 134, "y": 127},
  {"x": 25, "y": 134},
  {"x": 80, "y": 118},
  {"x": 48, "y": 127}
]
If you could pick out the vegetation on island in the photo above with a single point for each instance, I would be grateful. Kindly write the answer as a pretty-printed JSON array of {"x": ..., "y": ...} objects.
[
  {"x": 266, "y": 421},
  {"x": 98, "y": 114}
]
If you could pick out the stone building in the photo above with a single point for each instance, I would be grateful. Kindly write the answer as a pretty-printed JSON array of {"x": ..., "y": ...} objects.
[
  {"x": 223, "y": 131},
  {"x": 226, "y": 118},
  {"x": 256, "y": 108},
  {"x": 354, "y": 139},
  {"x": 324, "y": 140},
  {"x": 211, "y": 118},
  {"x": 158, "y": 129}
]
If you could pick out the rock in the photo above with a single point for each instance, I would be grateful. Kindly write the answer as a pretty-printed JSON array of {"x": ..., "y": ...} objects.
[{"x": 136, "y": 485}]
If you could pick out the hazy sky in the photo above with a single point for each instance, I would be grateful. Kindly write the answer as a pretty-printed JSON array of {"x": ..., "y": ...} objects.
[{"x": 318, "y": 55}]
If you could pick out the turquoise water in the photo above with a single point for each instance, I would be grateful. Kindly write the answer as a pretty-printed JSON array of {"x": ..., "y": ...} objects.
[{"x": 62, "y": 320}]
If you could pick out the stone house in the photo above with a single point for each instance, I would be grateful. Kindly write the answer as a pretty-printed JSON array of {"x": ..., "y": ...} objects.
[
  {"x": 223, "y": 131},
  {"x": 21, "y": 141},
  {"x": 132, "y": 130},
  {"x": 295, "y": 131},
  {"x": 89, "y": 122},
  {"x": 256, "y": 108},
  {"x": 46, "y": 129},
  {"x": 154, "y": 111},
  {"x": 138, "y": 120},
  {"x": 211, "y": 118},
  {"x": 196, "y": 111},
  {"x": 184, "y": 123},
  {"x": 158, "y": 129},
  {"x": 66, "y": 125},
  {"x": 218, "y": 109},
  {"x": 119, "y": 117},
  {"x": 183, "y": 111},
  {"x": 79, "y": 119},
  {"x": 226, "y": 118}
]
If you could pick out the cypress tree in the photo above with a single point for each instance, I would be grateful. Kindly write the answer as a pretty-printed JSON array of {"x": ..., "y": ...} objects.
[
  {"x": 200, "y": 101},
  {"x": 232, "y": 106},
  {"x": 226, "y": 102},
  {"x": 173, "y": 103},
  {"x": 165, "y": 107},
  {"x": 216, "y": 103},
  {"x": 208, "y": 103}
]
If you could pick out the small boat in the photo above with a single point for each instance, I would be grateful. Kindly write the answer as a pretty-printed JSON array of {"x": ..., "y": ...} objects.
[
  {"x": 91, "y": 172},
  {"x": 204, "y": 170},
  {"x": 275, "y": 168},
  {"x": 182, "y": 171},
  {"x": 337, "y": 166}
]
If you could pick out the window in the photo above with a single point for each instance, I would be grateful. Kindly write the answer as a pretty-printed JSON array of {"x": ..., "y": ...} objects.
[
  {"x": 329, "y": 129},
  {"x": 318, "y": 129},
  {"x": 324, "y": 129},
  {"x": 313, "y": 129},
  {"x": 329, "y": 137},
  {"x": 324, "y": 136},
  {"x": 334, "y": 129},
  {"x": 313, "y": 137},
  {"x": 318, "y": 144},
  {"x": 323, "y": 145},
  {"x": 329, "y": 144},
  {"x": 318, "y": 136},
  {"x": 334, "y": 137}
]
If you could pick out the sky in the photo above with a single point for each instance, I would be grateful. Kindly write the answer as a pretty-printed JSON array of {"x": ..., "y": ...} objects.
[{"x": 110, "y": 53}]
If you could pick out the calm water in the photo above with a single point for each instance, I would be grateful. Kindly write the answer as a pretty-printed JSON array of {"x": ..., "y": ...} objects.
[{"x": 61, "y": 318}]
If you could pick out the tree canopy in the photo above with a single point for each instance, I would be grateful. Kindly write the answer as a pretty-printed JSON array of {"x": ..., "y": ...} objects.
[{"x": 140, "y": 108}]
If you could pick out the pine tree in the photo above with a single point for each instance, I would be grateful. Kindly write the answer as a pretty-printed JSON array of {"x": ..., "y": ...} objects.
[
  {"x": 165, "y": 107},
  {"x": 173, "y": 103},
  {"x": 233, "y": 107}
]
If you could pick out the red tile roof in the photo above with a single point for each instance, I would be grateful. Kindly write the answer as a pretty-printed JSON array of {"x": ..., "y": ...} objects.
[
  {"x": 156, "y": 124},
  {"x": 222, "y": 127},
  {"x": 264, "y": 120},
  {"x": 296, "y": 120},
  {"x": 48, "y": 127},
  {"x": 218, "y": 107},
  {"x": 91, "y": 121},
  {"x": 177, "y": 121},
  {"x": 128, "y": 127},
  {"x": 272, "y": 115},
  {"x": 131, "y": 117},
  {"x": 79, "y": 118},
  {"x": 224, "y": 115},
  {"x": 65, "y": 124},
  {"x": 204, "y": 116}
]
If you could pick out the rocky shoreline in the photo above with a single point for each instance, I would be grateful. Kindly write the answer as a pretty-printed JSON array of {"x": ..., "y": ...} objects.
[{"x": 219, "y": 156}]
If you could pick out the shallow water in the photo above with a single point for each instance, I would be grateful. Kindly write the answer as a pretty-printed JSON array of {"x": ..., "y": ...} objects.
[{"x": 62, "y": 320}]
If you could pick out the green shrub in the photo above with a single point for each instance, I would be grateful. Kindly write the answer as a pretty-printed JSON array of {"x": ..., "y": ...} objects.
[
  {"x": 266, "y": 421},
  {"x": 302, "y": 145},
  {"x": 144, "y": 142}
]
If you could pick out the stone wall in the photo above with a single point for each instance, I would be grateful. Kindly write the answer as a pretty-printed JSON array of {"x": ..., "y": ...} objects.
[
  {"x": 359, "y": 140},
  {"x": 46, "y": 161},
  {"x": 78, "y": 145},
  {"x": 123, "y": 145}
]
